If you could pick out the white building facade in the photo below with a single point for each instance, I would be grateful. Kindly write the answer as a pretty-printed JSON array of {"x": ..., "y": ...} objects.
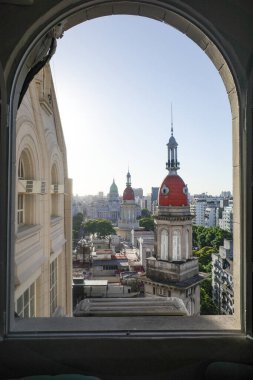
[{"x": 43, "y": 256}]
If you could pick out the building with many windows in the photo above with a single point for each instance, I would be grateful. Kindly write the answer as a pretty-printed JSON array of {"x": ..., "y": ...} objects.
[
  {"x": 226, "y": 221},
  {"x": 101, "y": 207},
  {"x": 43, "y": 206},
  {"x": 222, "y": 278}
]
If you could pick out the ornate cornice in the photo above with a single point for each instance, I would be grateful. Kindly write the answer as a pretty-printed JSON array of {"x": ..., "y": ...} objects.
[{"x": 174, "y": 218}]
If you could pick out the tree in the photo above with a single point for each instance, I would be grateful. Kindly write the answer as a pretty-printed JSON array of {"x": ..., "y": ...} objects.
[
  {"x": 209, "y": 236},
  {"x": 205, "y": 258},
  {"x": 101, "y": 227},
  {"x": 207, "y": 306},
  {"x": 147, "y": 223},
  {"x": 77, "y": 229},
  {"x": 145, "y": 213}
]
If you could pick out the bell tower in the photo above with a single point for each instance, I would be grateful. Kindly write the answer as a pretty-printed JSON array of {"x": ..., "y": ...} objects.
[{"x": 174, "y": 272}]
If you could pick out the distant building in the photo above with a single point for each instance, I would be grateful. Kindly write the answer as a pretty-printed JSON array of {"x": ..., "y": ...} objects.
[
  {"x": 146, "y": 203},
  {"x": 226, "y": 221},
  {"x": 210, "y": 217},
  {"x": 77, "y": 205},
  {"x": 222, "y": 278},
  {"x": 114, "y": 203},
  {"x": 208, "y": 210},
  {"x": 138, "y": 192},
  {"x": 105, "y": 207},
  {"x": 154, "y": 198},
  {"x": 198, "y": 209},
  {"x": 128, "y": 212}
]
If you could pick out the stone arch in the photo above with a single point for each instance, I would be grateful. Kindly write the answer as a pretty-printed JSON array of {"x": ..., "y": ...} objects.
[
  {"x": 28, "y": 144},
  {"x": 54, "y": 174},
  {"x": 26, "y": 165},
  {"x": 56, "y": 185},
  {"x": 194, "y": 25},
  {"x": 180, "y": 16}
]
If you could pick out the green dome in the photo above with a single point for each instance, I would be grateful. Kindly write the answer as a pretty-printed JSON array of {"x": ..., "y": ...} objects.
[{"x": 114, "y": 188}]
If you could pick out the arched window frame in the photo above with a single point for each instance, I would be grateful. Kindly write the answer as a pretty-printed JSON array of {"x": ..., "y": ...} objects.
[
  {"x": 164, "y": 244},
  {"x": 209, "y": 52},
  {"x": 176, "y": 245}
]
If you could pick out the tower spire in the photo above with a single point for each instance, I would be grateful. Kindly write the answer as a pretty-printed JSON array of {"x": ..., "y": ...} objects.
[
  {"x": 128, "y": 183},
  {"x": 172, "y": 165},
  {"x": 171, "y": 119}
]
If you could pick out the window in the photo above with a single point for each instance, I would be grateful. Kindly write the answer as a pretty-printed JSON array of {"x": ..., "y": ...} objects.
[
  {"x": 162, "y": 291},
  {"x": 164, "y": 245},
  {"x": 21, "y": 172},
  {"x": 21, "y": 209},
  {"x": 25, "y": 189},
  {"x": 176, "y": 244},
  {"x": 53, "y": 287},
  {"x": 54, "y": 192},
  {"x": 25, "y": 306}
]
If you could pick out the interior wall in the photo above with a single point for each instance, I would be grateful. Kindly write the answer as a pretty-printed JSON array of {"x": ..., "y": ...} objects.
[{"x": 229, "y": 23}]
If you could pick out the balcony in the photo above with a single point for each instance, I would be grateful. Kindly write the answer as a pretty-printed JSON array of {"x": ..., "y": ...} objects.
[{"x": 174, "y": 271}]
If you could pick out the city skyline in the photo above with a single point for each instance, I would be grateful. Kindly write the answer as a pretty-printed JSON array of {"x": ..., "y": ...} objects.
[
  {"x": 126, "y": 73},
  {"x": 220, "y": 194}
]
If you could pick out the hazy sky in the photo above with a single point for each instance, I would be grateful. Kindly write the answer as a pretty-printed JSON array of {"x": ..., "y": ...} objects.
[{"x": 115, "y": 79}]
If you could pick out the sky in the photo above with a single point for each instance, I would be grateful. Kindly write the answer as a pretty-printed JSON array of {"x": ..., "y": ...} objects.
[{"x": 115, "y": 79}]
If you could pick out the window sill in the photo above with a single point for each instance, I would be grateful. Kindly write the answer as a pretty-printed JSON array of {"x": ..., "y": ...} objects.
[
  {"x": 55, "y": 219},
  {"x": 27, "y": 230},
  {"x": 160, "y": 326}
]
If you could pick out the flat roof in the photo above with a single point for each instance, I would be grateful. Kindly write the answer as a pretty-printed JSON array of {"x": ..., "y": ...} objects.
[{"x": 95, "y": 282}]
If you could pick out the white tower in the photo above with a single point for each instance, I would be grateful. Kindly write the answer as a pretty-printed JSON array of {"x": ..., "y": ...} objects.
[{"x": 174, "y": 272}]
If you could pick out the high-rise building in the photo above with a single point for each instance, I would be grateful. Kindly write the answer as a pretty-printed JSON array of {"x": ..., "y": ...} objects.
[
  {"x": 154, "y": 198},
  {"x": 226, "y": 221},
  {"x": 198, "y": 210},
  {"x": 174, "y": 272},
  {"x": 222, "y": 278}
]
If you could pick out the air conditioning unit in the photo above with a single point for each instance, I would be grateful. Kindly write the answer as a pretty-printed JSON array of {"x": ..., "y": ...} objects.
[
  {"x": 29, "y": 186},
  {"x": 57, "y": 189}
]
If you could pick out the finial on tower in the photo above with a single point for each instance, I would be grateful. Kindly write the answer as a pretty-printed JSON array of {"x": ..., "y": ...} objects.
[
  {"x": 128, "y": 183},
  {"x": 172, "y": 165}
]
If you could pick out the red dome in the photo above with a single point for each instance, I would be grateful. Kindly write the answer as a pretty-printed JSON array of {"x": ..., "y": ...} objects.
[
  {"x": 173, "y": 192},
  {"x": 128, "y": 194}
]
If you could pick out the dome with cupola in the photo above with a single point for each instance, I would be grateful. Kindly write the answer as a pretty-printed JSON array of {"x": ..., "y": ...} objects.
[
  {"x": 173, "y": 192},
  {"x": 128, "y": 194},
  {"x": 114, "y": 188}
]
